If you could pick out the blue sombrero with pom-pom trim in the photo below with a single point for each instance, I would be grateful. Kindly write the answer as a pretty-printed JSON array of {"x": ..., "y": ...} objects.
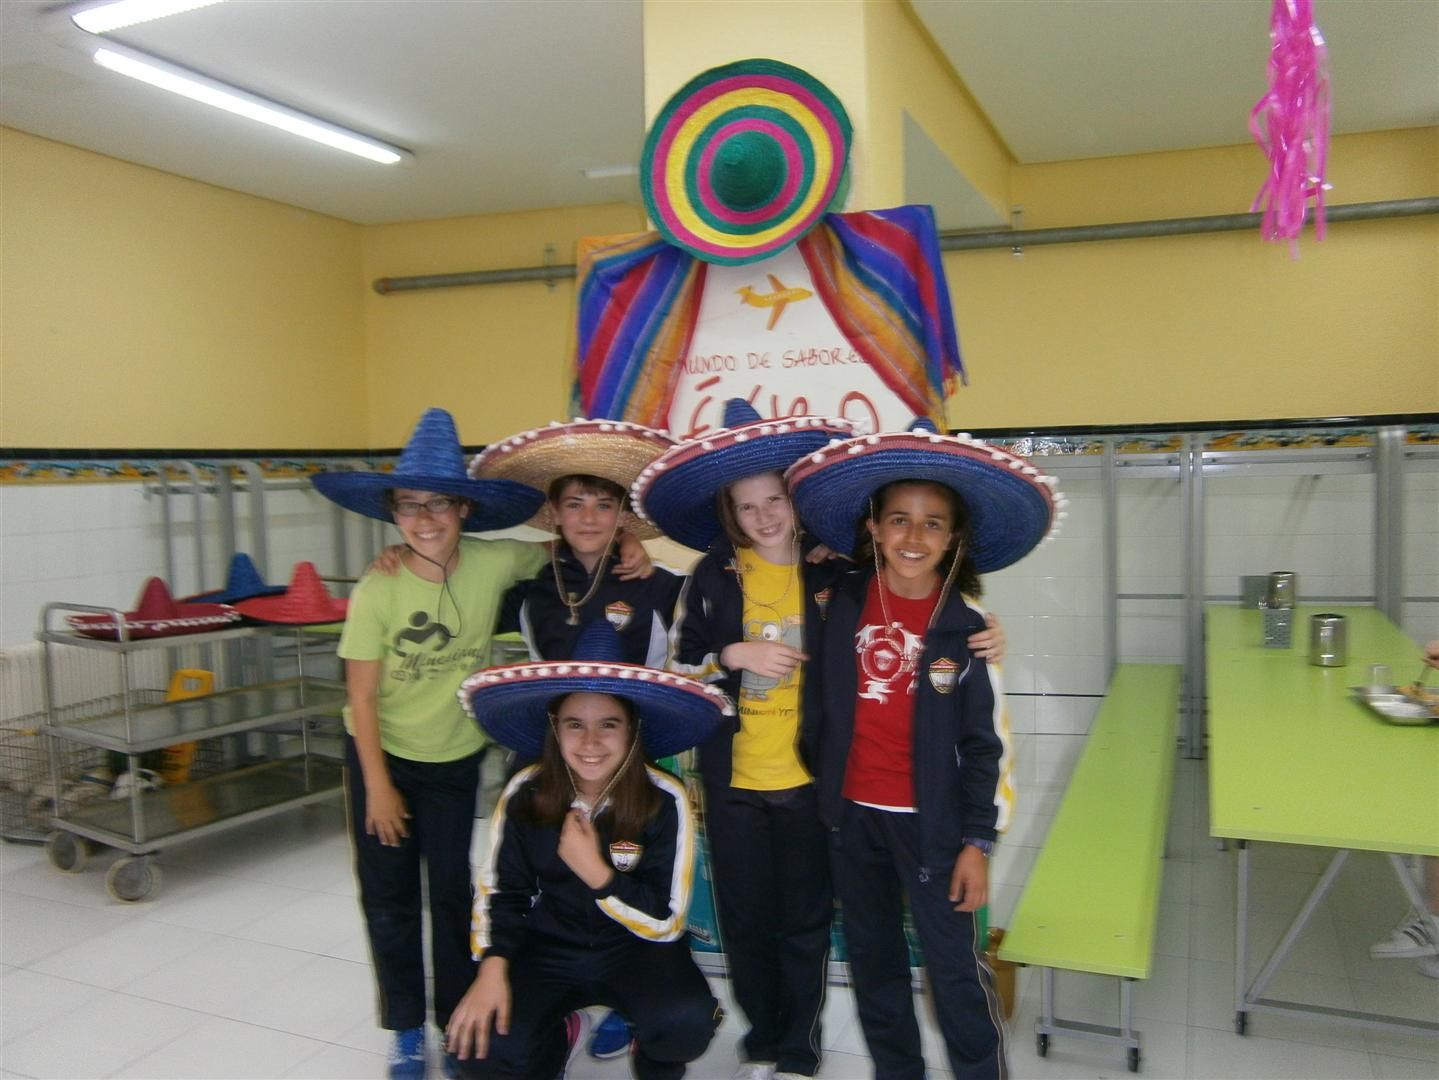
[
  {"x": 433, "y": 460},
  {"x": 512, "y": 703},
  {"x": 1012, "y": 505},
  {"x": 677, "y": 490}
]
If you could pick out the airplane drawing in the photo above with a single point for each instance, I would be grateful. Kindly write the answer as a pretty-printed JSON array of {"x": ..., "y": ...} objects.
[{"x": 777, "y": 300}]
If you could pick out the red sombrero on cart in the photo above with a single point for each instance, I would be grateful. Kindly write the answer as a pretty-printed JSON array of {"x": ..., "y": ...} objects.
[
  {"x": 156, "y": 614},
  {"x": 305, "y": 603},
  {"x": 612, "y": 450}
]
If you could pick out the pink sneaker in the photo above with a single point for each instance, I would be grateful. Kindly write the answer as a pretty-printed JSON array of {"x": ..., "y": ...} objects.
[{"x": 577, "y": 1028}]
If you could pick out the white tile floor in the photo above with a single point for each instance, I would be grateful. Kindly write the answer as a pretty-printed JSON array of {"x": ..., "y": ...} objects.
[{"x": 251, "y": 962}]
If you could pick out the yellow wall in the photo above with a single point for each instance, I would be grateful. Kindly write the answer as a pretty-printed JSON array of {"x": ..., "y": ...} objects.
[
  {"x": 1206, "y": 327},
  {"x": 908, "y": 73},
  {"x": 497, "y": 356},
  {"x": 139, "y": 309}
]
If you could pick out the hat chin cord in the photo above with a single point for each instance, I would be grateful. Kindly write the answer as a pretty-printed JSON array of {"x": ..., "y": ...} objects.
[
  {"x": 444, "y": 569},
  {"x": 604, "y": 794}
]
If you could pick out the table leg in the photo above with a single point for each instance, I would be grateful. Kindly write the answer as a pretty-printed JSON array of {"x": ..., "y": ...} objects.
[
  {"x": 1306, "y": 911},
  {"x": 1241, "y": 938}
]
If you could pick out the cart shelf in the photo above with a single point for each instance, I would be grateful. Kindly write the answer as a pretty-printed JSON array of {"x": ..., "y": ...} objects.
[
  {"x": 219, "y": 801},
  {"x": 152, "y": 726}
]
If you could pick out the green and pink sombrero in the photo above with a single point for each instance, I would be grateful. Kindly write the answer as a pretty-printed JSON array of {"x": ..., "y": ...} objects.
[{"x": 744, "y": 160}]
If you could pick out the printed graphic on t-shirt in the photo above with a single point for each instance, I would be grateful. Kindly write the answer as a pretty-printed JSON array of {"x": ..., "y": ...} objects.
[
  {"x": 886, "y": 660},
  {"x": 788, "y": 631},
  {"x": 424, "y": 651}
]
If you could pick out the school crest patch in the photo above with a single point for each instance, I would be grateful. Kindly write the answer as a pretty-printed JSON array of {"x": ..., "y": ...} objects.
[
  {"x": 624, "y": 855},
  {"x": 619, "y": 614},
  {"x": 942, "y": 673},
  {"x": 821, "y": 600}
]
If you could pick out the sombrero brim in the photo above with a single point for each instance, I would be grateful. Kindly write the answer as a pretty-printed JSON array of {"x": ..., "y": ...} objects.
[
  {"x": 677, "y": 491},
  {"x": 496, "y": 504},
  {"x": 1011, "y": 504},
  {"x": 188, "y": 619},
  {"x": 512, "y": 703},
  {"x": 798, "y": 120},
  {"x": 225, "y": 596},
  {"x": 271, "y": 609},
  {"x": 613, "y": 450}
]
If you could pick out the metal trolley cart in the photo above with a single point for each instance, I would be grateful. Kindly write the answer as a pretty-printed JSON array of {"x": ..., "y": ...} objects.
[{"x": 262, "y": 739}]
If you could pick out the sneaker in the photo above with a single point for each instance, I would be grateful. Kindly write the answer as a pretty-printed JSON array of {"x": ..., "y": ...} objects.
[
  {"x": 791, "y": 1076},
  {"x": 611, "y": 1038},
  {"x": 1429, "y": 966},
  {"x": 1414, "y": 936},
  {"x": 407, "y": 1055},
  {"x": 577, "y": 1026},
  {"x": 755, "y": 1070}
]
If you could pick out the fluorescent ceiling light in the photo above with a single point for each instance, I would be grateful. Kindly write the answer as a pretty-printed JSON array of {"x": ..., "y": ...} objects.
[
  {"x": 102, "y": 18},
  {"x": 197, "y": 87},
  {"x": 610, "y": 172}
]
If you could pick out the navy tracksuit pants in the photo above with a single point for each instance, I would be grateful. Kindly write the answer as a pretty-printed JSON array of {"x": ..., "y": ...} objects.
[
  {"x": 875, "y": 857},
  {"x": 441, "y": 799},
  {"x": 772, "y": 893},
  {"x": 655, "y": 985}
]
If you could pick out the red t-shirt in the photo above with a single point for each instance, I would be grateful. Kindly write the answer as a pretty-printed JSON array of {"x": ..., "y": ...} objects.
[{"x": 880, "y": 770}]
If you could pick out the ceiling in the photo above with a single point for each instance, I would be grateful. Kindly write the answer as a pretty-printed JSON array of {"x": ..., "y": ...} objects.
[{"x": 505, "y": 103}]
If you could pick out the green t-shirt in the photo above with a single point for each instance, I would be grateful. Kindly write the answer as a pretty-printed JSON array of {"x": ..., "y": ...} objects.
[{"x": 426, "y": 651}]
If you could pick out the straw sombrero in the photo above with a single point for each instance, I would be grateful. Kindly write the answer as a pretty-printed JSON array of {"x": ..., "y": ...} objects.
[
  {"x": 305, "y": 602},
  {"x": 613, "y": 450},
  {"x": 677, "y": 490},
  {"x": 156, "y": 614},
  {"x": 241, "y": 583},
  {"x": 744, "y": 160},
  {"x": 432, "y": 460},
  {"x": 1012, "y": 505},
  {"x": 512, "y": 703}
]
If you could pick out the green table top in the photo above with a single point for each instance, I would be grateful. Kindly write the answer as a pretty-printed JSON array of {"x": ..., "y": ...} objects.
[
  {"x": 1294, "y": 760},
  {"x": 1091, "y": 902}
]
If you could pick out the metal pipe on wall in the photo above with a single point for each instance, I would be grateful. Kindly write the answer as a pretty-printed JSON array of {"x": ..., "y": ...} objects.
[
  {"x": 953, "y": 240},
  {"x": 1389, "y": 522}
]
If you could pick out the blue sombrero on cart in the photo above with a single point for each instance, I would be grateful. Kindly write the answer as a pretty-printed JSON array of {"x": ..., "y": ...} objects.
[
  {"x": 512, "y": 703},
  {"x": 677, "y": 490},
  {"x": 1012, "y": 505}
]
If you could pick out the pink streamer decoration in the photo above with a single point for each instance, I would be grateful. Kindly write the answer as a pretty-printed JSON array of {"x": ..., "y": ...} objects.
[{"x": 1291, "y": 123}]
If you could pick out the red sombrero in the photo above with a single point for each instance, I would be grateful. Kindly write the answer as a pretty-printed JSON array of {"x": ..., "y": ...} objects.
[
  {"x": 305, "y": 603},
  {"x": 156, "y": 614}
]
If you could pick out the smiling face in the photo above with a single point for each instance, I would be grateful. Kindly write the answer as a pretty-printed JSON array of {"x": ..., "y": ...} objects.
[
  {"x": 432, "y": 533},
  {"x": 594, "y": 734},
  {"x": 587, "y": 515},
  {"x": 763, "y": 512},
  {"x": 914, "y": 531}
]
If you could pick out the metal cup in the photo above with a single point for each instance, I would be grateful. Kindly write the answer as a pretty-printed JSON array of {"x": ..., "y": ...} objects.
[
  {"x": 1282, "y": 590},
  {"x": 1328, "y": 641}
]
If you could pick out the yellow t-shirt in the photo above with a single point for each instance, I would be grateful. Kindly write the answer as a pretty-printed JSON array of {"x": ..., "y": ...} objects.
[{"x": 766, "y": 755}]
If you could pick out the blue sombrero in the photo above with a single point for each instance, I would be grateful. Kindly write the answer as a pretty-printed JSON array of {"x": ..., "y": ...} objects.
[
  {"x": 512, "y": 703},
  {"x": 243, "y": 582},
  {"x": 433, "y": 460},
  {"x": 677, "y": 490},
  {"x": 1012, "y": 505}
]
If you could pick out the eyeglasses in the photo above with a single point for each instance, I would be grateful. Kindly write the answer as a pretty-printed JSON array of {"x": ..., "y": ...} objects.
[{"x": 441, "y": 504}]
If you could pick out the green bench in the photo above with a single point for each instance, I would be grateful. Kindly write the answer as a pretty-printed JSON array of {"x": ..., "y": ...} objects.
[{"x": 1092, "y": 899}]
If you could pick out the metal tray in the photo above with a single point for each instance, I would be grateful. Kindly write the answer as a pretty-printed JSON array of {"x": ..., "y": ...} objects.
[{"x": 1393, "y": 706}]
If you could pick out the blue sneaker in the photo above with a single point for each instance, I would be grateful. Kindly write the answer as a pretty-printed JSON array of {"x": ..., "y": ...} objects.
[
  {"x": 407, "y": 1055},
  {"x": 611, "y": 1038}
]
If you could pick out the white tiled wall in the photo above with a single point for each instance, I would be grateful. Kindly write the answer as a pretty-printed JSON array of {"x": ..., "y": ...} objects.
[{"x": 97, "y": 543}]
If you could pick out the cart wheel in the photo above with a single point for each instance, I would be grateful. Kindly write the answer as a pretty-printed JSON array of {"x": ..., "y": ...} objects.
[
  {"x": 67, "y": 852},
  {"x": 132, "y": 879},
  {"x": 1241, "y": 1022},
  {"x": 1134, "y": 1059},
  {"x": 1042, "y": 1044}
]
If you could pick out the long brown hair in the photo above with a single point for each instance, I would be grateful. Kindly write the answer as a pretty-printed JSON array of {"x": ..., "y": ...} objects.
[
  {"x": 633, "y": 801},
  {"x": 966, "y": 577}
]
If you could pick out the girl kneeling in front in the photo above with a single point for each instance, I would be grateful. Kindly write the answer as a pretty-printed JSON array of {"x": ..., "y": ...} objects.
[{"x": 584, "y": 895}]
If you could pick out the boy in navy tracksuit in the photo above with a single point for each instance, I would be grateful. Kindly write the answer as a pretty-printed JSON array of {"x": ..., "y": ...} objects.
[{"x": 906, "y": 726}]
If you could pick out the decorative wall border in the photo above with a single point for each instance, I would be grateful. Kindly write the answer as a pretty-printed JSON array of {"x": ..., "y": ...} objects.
[{"x": 121, "y": 469}]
